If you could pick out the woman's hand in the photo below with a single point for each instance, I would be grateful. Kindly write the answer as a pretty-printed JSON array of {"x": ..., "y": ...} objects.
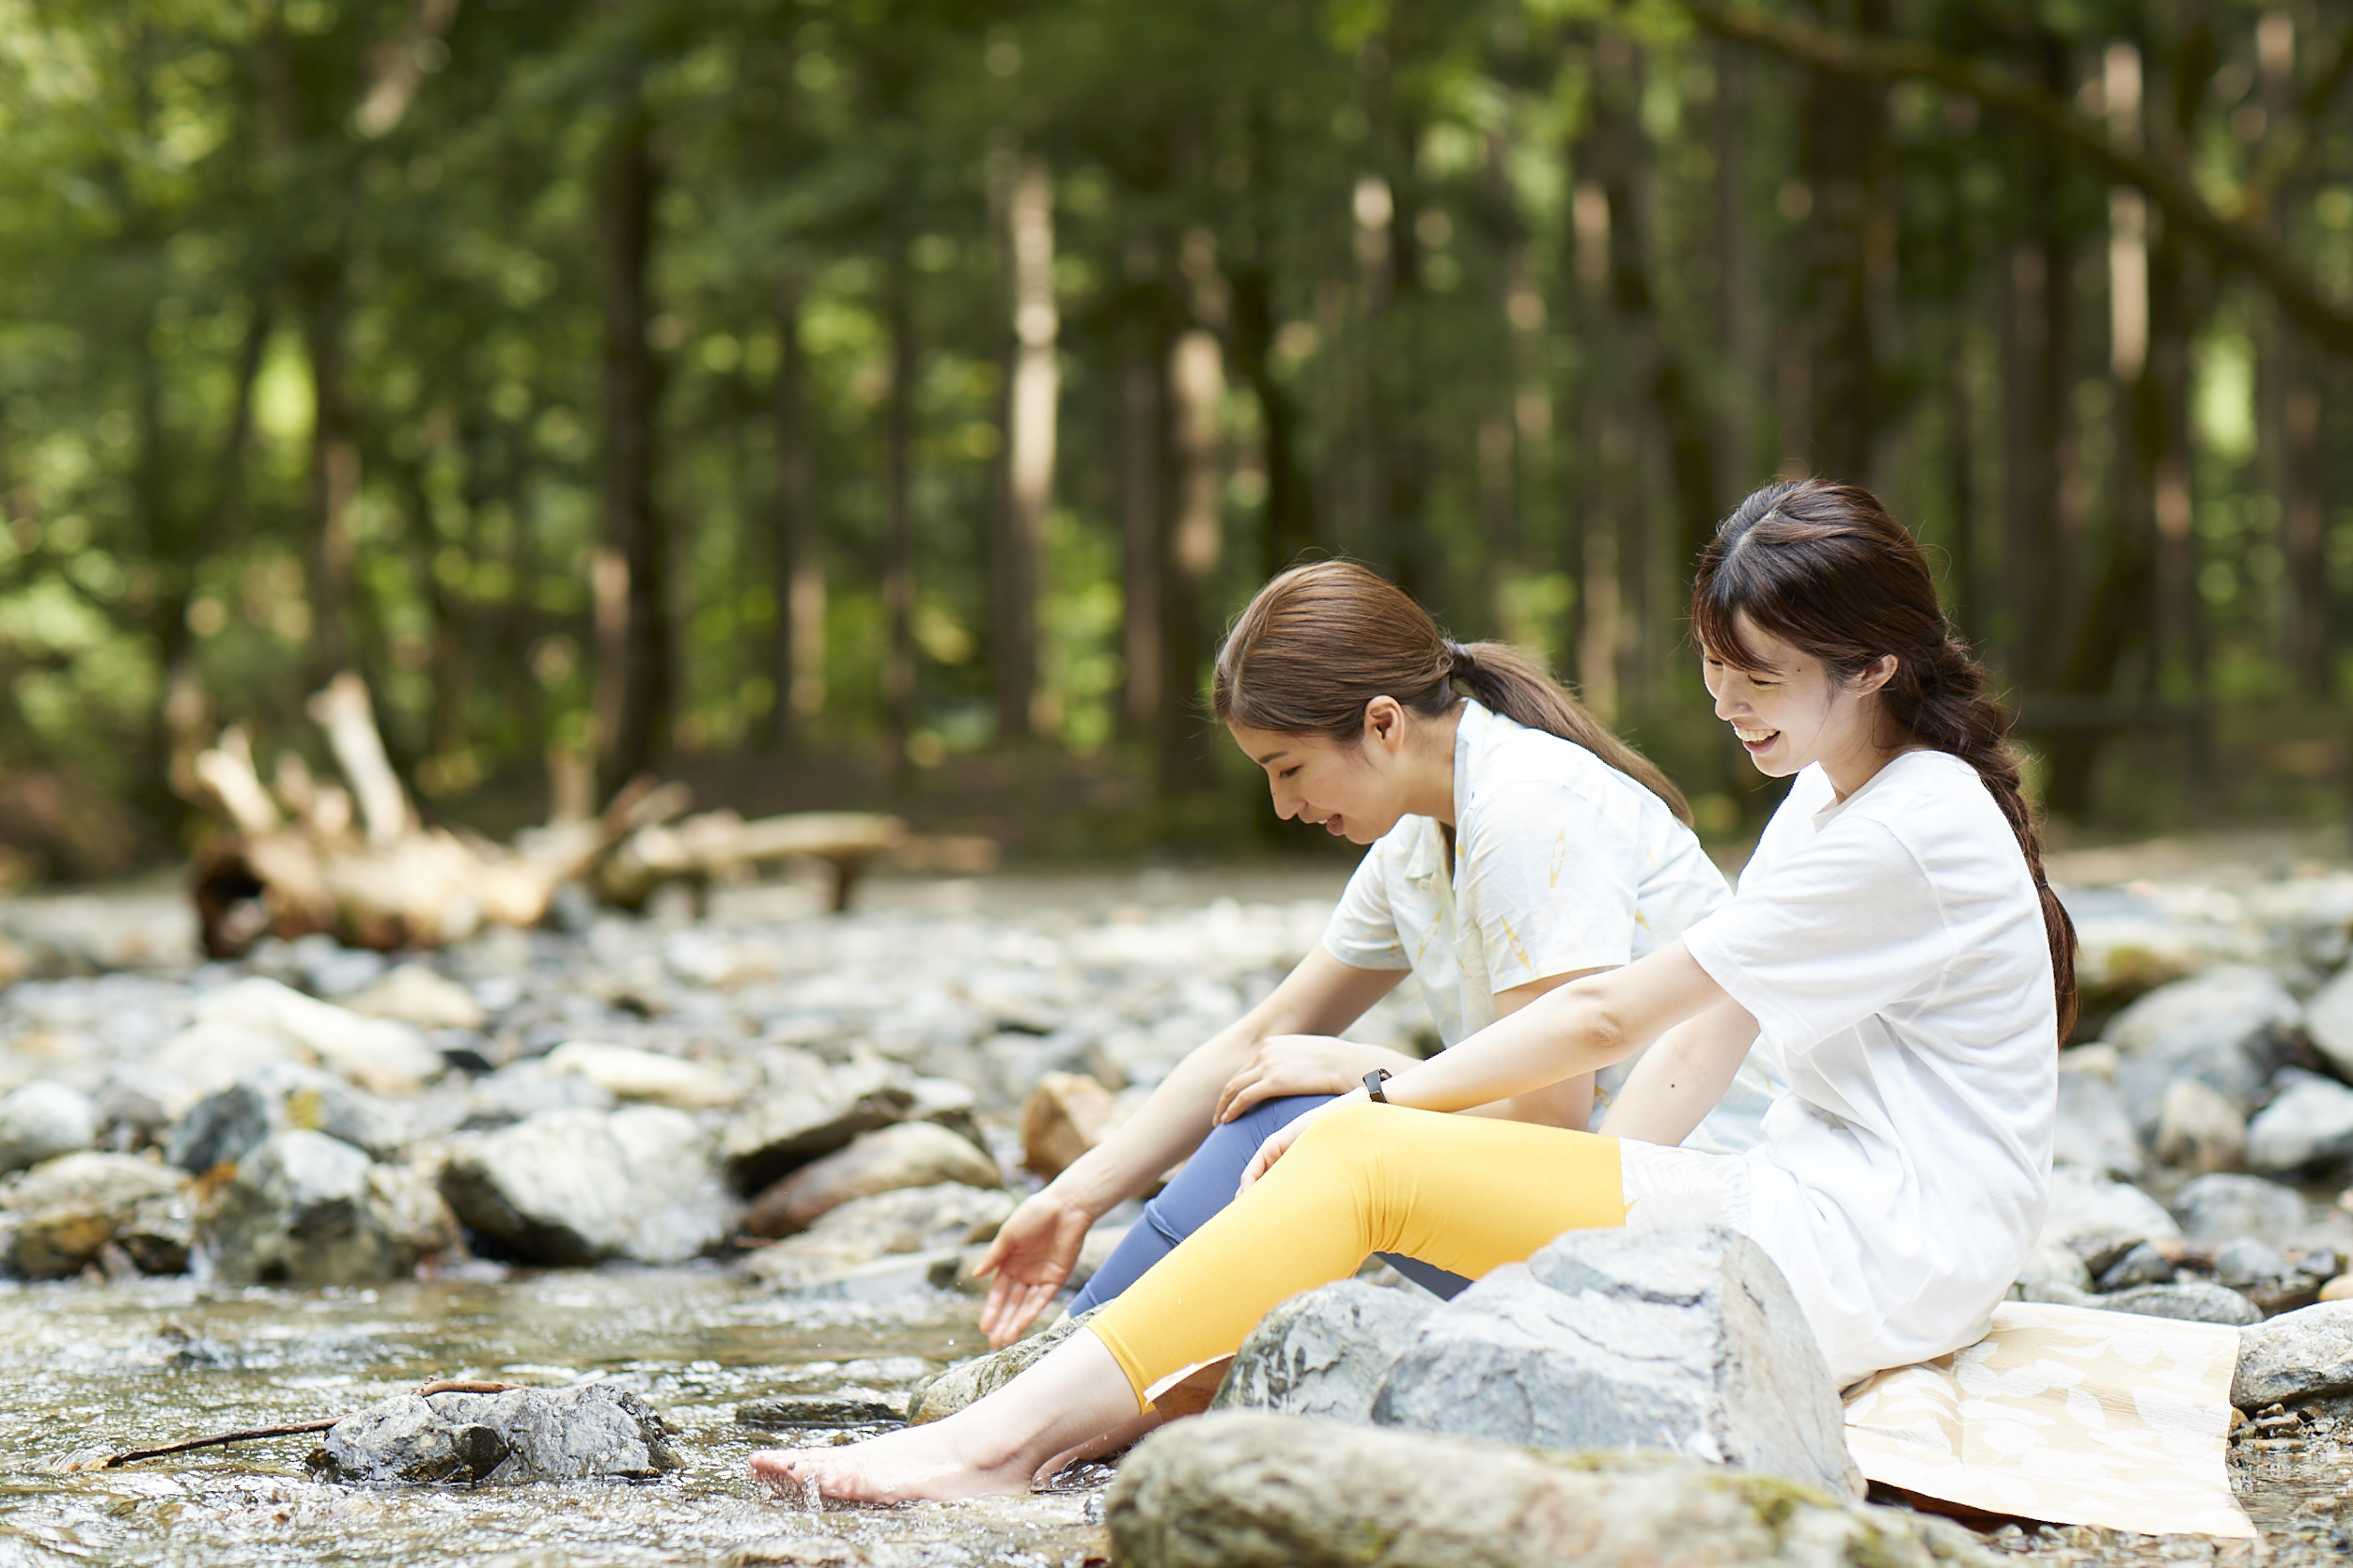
[
  {"x": 1032, "y": 1255},
  {"x": 1302, "y": 1064},
  {"x": 1280, "y": 1140}
]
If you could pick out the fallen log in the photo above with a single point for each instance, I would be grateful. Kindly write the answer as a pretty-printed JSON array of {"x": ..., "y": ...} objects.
[
  {"x": 721, "y": 845},
  {"x": 291, "y": 1429},
  {"x": 359, "y": 865}
]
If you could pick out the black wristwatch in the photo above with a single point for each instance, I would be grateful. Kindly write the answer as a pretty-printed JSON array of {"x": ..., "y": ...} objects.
[{"x": 1373, "y": 1081}]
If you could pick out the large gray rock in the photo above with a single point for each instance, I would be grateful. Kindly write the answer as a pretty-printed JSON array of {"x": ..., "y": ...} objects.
[
  {"x": 912, "y": 1219},
  {"x": 279, "y": 1098},
  {"x": 307, "y": 1209},
  {"x": 580, "y": 1186},
  {"x": 784, "y": 1130},
  {"x": 85, "y": 1208},
  {"x": 1325, "y": 1352},
  {"x": 2328, "y": 1018},
  {"x": 2297, "y": 1355},
  {"x": 2307, "y": 1126},
  {"x": 42, "y": 1121},
  {"x": 2188, "y": 1301},
  {"x": 1684, "y": 1338},
  {"x": 2251, "y": 999},
  {"x": 1241, "y": 1489},
  {"x": 912, "y": 1153},
  {"x": 2197, "y": 1129},
  {"x": 2092, "y": 1130},
  {"x": 2084, "y": 1203},
  {"x": 520, "y": 1436},
  {"x": 2223, "y": 1207}
]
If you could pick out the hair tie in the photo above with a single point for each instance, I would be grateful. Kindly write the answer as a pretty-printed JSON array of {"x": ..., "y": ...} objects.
[{"x": 1458, "y": 657}]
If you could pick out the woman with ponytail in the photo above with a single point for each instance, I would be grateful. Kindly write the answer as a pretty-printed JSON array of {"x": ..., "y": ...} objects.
[
  {"x": 1892, "y": 949},
  {"x": 1514, "y": 844}
]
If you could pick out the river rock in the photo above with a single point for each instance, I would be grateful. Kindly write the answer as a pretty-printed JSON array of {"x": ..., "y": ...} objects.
[
  {"x": 418, "y": 996},
  {"x": 2307, "y": 1126},
  {"x": 938, "y": 1397},
  {"x": 307, "y": 1209},
  {"x": 2092, "y": 1130},
  {"x": 524, "y": 1089},
  {"x": 785, "y": 1129},
  {"x": 2297, "y": 1355},
  {"x": 2328, "y": 1019},
  {"x": 2197, "y": 1129},
  {"x": 628, "y": 1074},
  {"x": 280, "y": 1097},
  {"x": 2142, "y": 1264},
  {"x": 850, "y": 1407},
  {"x": 1063, "y": 1117},
  {"x": 1684, "y": 1338},
  {"x": 64, "y": 1215},
  {"x": 1242, "y": 1489},
  {"x": 379, "y": 1055},
  {"x": 912, "y": 1153},
  {"x": 2083, "y": 1205},
  {"x": 42, "y": 1121},
  {"x": 912, "y": 1219},
  {"x": 2248, "y": 1264},
  {"x": 2223, "y": 1207},
  {"x": 2054, "y": 1273},
  {"x": 951, "y": 1105},
  {"x": 1325, "y": 1352},
  {"x": 580, "y": 1186},
  {"x": 2250, "y": 1000},
  {"x": 2189, "y": 1300},
  {"x": 210, "y": 1056},
  {"x": 595, "y": 1431}
]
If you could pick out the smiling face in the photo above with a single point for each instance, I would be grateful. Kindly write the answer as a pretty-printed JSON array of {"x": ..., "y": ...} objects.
[
  {"x": 1357, "y": 792},
  {"x": 1791, "y": 710}
]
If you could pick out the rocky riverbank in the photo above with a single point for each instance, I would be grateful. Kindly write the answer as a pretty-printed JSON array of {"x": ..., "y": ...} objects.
[{"x": 818, "y": 1118}]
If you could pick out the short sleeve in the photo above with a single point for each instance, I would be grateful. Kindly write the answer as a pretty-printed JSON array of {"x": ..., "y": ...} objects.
[
  {"x": 1551, "y": 884},
  {"x": 1363, "y": 931},
  {"x": 1843, "y": 927}
]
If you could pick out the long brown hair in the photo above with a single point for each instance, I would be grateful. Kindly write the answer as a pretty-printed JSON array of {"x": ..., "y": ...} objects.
[
  {"x": 1322, "y": 640},
  {"x": 1822, "y": 566}
]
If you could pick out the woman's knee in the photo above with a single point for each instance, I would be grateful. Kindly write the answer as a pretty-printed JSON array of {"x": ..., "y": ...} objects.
[{"x": 1353, "y": 1128}]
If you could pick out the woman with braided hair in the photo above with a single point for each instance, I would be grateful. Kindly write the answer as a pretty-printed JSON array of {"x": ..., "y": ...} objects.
[
  {"x": 1893, "y": 949},
  {"x": 1514, "y": 844}
]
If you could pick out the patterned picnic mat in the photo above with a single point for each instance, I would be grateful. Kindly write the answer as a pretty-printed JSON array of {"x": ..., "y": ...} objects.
[{"x": 2066, "y": 1415}]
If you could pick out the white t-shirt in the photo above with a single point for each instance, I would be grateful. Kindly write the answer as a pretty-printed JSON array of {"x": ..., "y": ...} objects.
[
  {"x": 1562, "y": 863},
  {"x": 1892, "y": 950}
]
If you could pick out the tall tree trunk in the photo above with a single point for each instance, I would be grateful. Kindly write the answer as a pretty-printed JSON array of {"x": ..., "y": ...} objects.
[
  {"x": 1739, "y": 309},
  {"x": 1197, "y": 388},
  {"x": 1031, "y": 397},
  {"x": 898, "y": 542},
  {"x": 1843, "y": 155},
  {"x": 1144, "y": 549},
  {"x": 2303, "y": 515},
  {"x": 1290, "y": 508},
  {"x": 1602, "y": 493},
  {"x": 1963, "y": 585},
  {"x": 334, "y": 465},
  {"x": 634, "y": 677},
  {"x": 798, "y": 656}
]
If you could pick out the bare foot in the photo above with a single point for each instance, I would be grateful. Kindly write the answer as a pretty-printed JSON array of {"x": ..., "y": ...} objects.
[{"x": 921, "y": 1464}]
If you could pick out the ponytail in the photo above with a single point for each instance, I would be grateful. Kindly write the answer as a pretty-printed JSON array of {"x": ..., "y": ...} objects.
[
  {"x": 1321, "y": 641},
  {"x": 1825, "y": 569}
]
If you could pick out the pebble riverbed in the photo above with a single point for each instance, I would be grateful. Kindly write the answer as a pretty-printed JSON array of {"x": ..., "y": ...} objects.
[{"x": 987, "y": 981}]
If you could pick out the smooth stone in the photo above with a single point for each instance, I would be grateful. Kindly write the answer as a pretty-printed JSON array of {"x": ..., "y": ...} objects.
[
  {"x": 951, "y": 1105},
  {"x": 2197, "y": 1129},
  {"x": 2054, "y": 1273},
  {"x": 2307, "y": 1126},
  {"x": 942, "y": 1395},
  {"x": 1325, "y": 1352},
  {"x": 420, "y": 997},
  {"x": 225, "y": 1126},
  {"x": 2092, "y": 1129},
  {"x": 2242, "y": 994},
  {"x": 1244, "y": 1489},
  {"x": 594, "y": 1431},
  {"x": 213, "y": 1056},
  {"x": 2299, "y": 1356},
  {"x": 573, "y": 1187},
  {"x": 2223, "y": 1207},
  {"x": 912, "y": 1153},
  {"x": 2190, "y": 1301},
  {"x": 2085, "y": 1204},
  {"x": 2143, "y": 1264},
  {"x": 1684, "y": 1338},
  {"x": 61, "y": 1217},
  {"x": 527, "y": 1088},
  {"x": 1063, "y": 1117},
  {"x": 2247, "y": 1262},
  {"x": 911, "y": 1219},
  {"x": 842, "y": 1408},
  {"x": 379, "y": 1055},
  {"x": 2328, "y": 1019},
  {"x": 42, "y": 1121},
  {"x": 628, "y": 1074},
  {"x": 2216, "y": 1052},
  {"x": 2338, "y": 1289},
  {"x": 306, "y": 1209},
  {"x": 784, "y": 1130}
]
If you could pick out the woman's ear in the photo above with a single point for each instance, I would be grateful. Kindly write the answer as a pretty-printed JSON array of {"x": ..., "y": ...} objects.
[
  {"x": 1384, "y": 723},
  {"x": 1874, "y": 674}
]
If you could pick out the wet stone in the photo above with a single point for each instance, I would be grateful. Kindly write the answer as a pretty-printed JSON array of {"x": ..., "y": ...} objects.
[
  {"x": 786, "y": 1129},
  {"x": 940, "y": 1397},
  {"x": 911, "y": 1220},
  {"x": 580, "y": 1186},
  {"x": 307, "y": 1209},
  {"x": 62, "y": 1217},
  {"x": 524, "y": 1434},
  {"x": 1325, "y": 1352},
  {"x": 843, "y": 1407}
]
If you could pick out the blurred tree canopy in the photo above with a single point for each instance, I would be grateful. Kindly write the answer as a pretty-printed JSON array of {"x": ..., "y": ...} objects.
[{"x": 828, "y": 395}]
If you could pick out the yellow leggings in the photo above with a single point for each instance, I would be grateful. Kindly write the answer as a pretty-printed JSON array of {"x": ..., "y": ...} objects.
[{"x": 1463, "y": 1192}]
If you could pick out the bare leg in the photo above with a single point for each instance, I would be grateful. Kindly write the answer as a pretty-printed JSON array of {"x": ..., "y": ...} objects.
[{"x": 1073, "y": 1395}]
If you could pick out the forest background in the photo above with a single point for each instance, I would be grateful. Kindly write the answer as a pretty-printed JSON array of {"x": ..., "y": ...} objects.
[{"x": 854, "y": 402}]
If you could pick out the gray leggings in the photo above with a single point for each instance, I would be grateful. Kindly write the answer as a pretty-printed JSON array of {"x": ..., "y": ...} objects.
[{"x": 1207, "y": 1185}]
